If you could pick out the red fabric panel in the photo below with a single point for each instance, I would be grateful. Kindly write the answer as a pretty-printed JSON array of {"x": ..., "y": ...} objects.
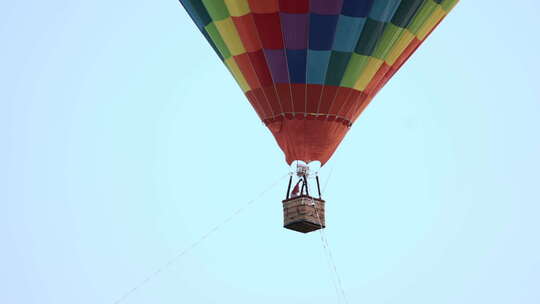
[
  {"x": 364, "y": 105},
  {"x": 371, "y": 87},
  {"x": 263, "y": 102},
  {"x": 350, "y": 104},
  {"x": 341, "y": 97},
  {"x": 255, "y": 104},
  {"x": 409, "y": 50},
  {"x": 244, "y": 64},
  {"x": 308, "y": 140},
  {"x": 264, "y": 6},
  {"x": 284, "y": 94},
  {"x": 300, "y": 116},
  {"x": 328, "y": 95},
  {"x": 269, "y": 27},
  {"x": 258, "y": 61},
  {"x": 383, "y": 81},
  {"x": 359, "y": 105},
  {"x": 314, "y": 92},
  {"x": 298, "y": 91},
  {"x": 273, "y": 99},
  {"x": 247, "y": 31},
  {"x": 294, "y": 7}
]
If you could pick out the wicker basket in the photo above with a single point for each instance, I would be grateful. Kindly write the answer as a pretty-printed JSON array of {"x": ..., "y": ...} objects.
[{"x": 303, "y": 214}]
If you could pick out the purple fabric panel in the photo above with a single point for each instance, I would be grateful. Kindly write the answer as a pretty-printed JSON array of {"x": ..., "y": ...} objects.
[
  {"x": 277, "y": 63},
  {"x": 326, "y": 7},
  {"x": 295, "y": 30}
]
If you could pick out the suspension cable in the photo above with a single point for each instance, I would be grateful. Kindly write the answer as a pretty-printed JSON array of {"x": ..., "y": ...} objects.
[{"x": 169, "y": 263}]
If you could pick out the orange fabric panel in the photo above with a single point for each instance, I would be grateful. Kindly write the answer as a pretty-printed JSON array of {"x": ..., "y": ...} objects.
[{"x": 308, "y": 140}]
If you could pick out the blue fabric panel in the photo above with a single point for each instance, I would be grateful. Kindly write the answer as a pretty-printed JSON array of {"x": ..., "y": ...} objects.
[
  {"x": 197, "y": 12},
  {"x": 296, "y": 60},
  {"x": 356, "y": 8},
  {"x": 383, "y": 10},
  {"x": 317, "y": 65},
  {"x": 321, "y": 31},
  {"x": 347, "y": 33}
]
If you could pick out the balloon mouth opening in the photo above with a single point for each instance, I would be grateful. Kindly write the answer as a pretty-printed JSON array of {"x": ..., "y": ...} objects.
[{"x": 300, "y": 167}]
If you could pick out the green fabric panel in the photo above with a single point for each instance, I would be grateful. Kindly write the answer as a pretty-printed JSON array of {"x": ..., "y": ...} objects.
[
  {"x": 371, "y": 33},
  {"x": 447, "y": 5},
  {"x": 217, "y": 9},
  {"x": 390, "y": 36},
  {"x": 423, "y": 14},
  {"x": 354, "y": 69},
  {"x": 212, "y": 31},
  {"x": 405, "y": 12},
  {"x": 336, "y": 67},
  {"x": 212, "y": 44}
]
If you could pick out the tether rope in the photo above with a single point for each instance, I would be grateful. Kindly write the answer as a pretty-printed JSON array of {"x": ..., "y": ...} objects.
[
  {"x": 326, "y": 246},
  {"x": 328, "y": 260},
  {"x": 194, "y": 244},
  {"x": 330, "y": 257}
]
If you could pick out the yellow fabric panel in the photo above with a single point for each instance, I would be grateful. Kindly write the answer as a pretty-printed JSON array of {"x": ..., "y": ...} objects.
[
  {"x": 425, "y": 11},
  {"x": 228, "y": 32},
  {"x": 399, "y": 46},
  {"x": 370, "y": 70},
  {"x": 354, "y": 69},
  {"x": 437, "y": 15},
  {"x": 213, "y": 32},
  {"x": 237, "y": 8},
  {"x": 235, "y": 70},
  {"x": 388, "y": 40}
]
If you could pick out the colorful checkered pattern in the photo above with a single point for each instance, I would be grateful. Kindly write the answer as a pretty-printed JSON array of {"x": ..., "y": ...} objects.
[{"x": 314, "y": 59}]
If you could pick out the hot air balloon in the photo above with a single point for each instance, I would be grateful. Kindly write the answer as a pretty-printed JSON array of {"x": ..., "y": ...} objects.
[{"x": 310, "y": 67}]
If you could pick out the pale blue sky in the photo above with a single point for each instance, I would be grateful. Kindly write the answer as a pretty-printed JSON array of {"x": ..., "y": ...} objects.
[{"x": 124, "y": 139}]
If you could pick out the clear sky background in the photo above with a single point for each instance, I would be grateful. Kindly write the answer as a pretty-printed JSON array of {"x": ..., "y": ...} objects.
[{"x": 123, "y": 140}]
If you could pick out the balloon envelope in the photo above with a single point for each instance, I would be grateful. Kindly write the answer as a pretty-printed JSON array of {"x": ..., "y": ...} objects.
[{"x": 310, "y": 67}]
